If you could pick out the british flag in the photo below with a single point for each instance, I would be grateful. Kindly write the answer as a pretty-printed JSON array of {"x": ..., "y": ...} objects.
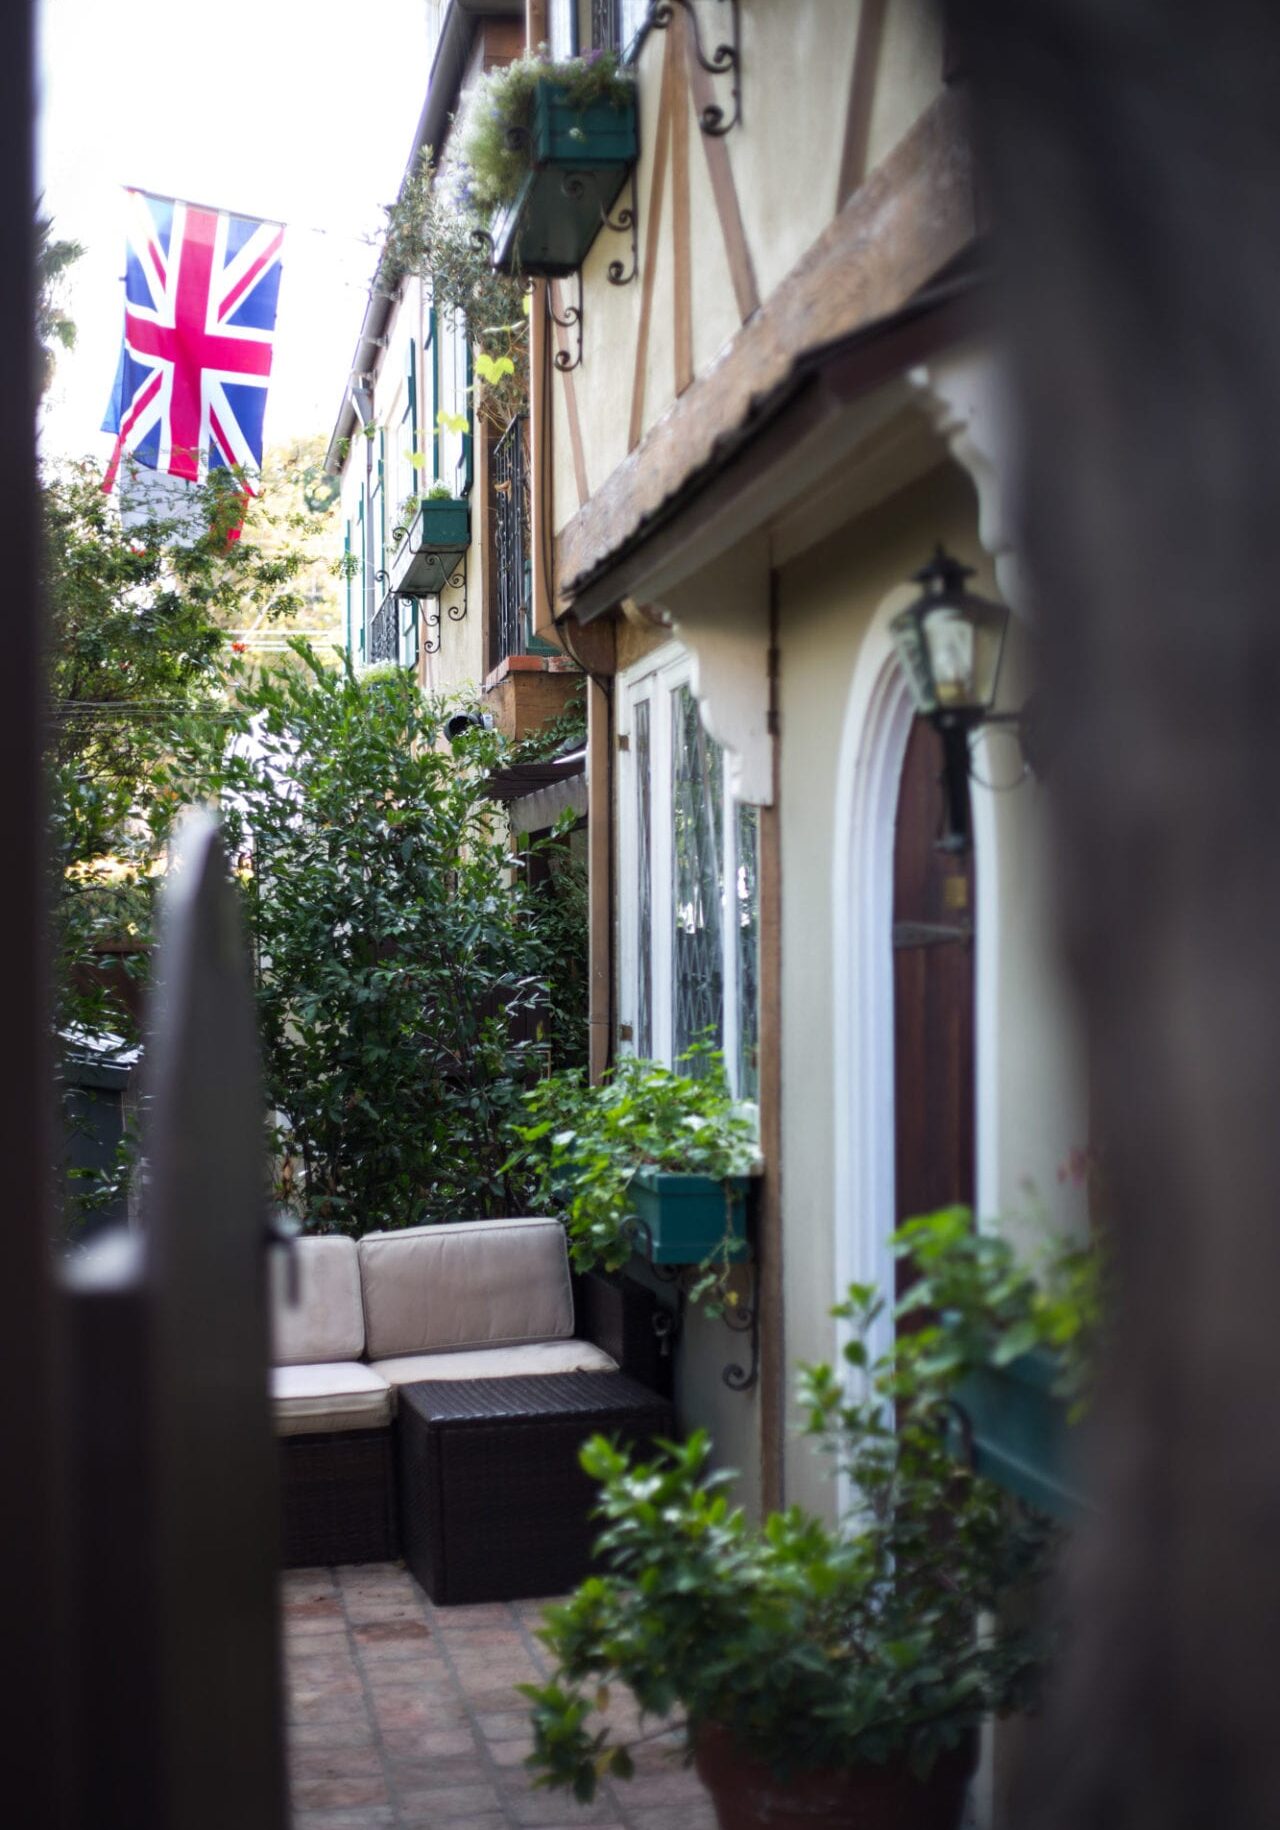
[{"x": 201, "y": 288}]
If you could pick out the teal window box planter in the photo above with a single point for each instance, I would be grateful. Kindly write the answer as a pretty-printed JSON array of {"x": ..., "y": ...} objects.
[
  {"x": 580, "y": 158},
  {"x": 1014, "y": 1428},
  {"x": 433, "y": 548},
  {"x": 685, "y": 1218}
]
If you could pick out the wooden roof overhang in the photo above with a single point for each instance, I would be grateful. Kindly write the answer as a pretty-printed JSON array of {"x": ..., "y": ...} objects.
[
  {"x": 535, "y": 794},
  {"x": 790, "y": 438}
]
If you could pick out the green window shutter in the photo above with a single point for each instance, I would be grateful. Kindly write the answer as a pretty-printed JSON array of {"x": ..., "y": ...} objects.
[
  {"x": 413, "y": 395},
  {"x": 350, "y": 582},
  {"x": 378, "y": 530},
  {"x": 364, "y": 569},
  {"x": 468, "y": 440},
  {"x": 431, "y": 364}
]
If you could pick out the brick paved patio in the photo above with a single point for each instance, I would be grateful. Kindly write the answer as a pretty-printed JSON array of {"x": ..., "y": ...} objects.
[{"x": 402, "y": 1716}]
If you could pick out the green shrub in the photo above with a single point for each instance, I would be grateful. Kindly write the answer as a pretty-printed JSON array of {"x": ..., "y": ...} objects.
[{"x": 401, "y": 970}]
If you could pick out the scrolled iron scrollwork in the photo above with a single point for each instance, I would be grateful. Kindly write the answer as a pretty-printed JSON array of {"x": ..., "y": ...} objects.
[
  {"x": 744, "y": 1318},
  {"x": 565, "y": 360},
  {"x": 430, "y": 621},
  {"x": 624, "y": 223},
  {"x": 575, "y": 186},
  {"x": 725, "y": 60}
]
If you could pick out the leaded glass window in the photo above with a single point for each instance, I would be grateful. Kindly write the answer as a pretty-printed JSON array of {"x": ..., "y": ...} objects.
[
  {"x": 747, "y": 931},
  {"x": 697, "y": 808},
  {"x": 688, "y": 870},
  {"x": 644, "y": 883}
]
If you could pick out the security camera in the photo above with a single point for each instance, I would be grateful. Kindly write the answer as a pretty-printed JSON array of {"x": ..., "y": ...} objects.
[{"x": 459, "y": 722}]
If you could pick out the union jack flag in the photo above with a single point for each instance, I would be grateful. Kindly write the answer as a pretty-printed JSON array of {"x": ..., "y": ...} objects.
[{"x": 201, "y": 288}]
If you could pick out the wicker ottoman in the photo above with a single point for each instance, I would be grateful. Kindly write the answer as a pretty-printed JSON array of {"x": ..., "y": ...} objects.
[
  {"x": 336, "y": 1499},
  {"x": 493, "y": 1503}
]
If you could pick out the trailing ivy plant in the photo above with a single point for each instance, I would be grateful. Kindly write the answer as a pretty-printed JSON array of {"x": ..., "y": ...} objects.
[
  {"x": 566, "y": 731},
  {"x": 499, "y": 126},
  {"x": 583, "y": 1145},
  {"x": 434, "y": 231},
  {"x": 401, "y": 966},
  {"x": 887, "y": 1638}
]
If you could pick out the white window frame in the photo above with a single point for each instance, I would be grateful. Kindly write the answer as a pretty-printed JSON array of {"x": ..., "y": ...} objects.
[
  {"x": 656, "y": 680},
  {"x": 562, "y": 29}
]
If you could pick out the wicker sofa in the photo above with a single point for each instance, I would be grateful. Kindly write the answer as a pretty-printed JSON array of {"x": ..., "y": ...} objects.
[{"x": 474, "y": 1302}]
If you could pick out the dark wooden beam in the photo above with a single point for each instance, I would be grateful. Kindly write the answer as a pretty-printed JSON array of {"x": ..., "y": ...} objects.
[{"x": 862, "y": 95}]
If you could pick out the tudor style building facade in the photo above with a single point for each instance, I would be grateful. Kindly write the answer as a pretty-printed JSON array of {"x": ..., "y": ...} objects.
[
  {"x": 740, "y": 458},
  {"x": 754, "y": 410}
]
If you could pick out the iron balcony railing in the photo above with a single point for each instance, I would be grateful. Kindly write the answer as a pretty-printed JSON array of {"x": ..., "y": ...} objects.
[
  {"x": 606, "y": 25},
  {"x": 510, "y": 485},
  {"x": 382, "y": 640}
]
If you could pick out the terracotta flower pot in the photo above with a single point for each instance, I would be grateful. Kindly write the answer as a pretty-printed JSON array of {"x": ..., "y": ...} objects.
[{"x": 748, "y": 1797}]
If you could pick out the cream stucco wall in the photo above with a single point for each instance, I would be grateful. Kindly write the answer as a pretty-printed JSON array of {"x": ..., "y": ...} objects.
[
  {"x": 457, "y": 665},
  {"x": 784, "y": 157}
]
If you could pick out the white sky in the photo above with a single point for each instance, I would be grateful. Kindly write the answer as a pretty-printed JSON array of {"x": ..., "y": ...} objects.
[{"x": 299, "y": 110}]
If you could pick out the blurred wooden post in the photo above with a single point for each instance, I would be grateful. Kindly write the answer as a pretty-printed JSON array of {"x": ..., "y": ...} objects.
[
  {"x": 37, "y": 1762},
  {"x": 1133, "y": 154}
]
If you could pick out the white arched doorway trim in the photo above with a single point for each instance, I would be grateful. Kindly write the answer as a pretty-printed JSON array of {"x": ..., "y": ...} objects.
[
  {"x": 877, "y": 725},
  {"x": 873, "y": 744}
]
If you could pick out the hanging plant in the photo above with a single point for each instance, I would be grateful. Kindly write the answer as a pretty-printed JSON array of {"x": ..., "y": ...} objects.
[
  {"x": 432, "y": 231},
  {"x": 498, "y": 142}
]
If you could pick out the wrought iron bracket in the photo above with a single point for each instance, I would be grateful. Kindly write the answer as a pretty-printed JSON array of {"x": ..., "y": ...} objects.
[
  {"x": 574, "y": 186},
  {"x": 740, "y": 1317},
  {"x": 744, "y": 1318},
  {"x": 725, "y": 60},
  {"x": 572, "y": 320},
  {"x": 626, "y": 222},
  {"x": 431, "y": 629},
  {"x": 641, "y": 1237}
]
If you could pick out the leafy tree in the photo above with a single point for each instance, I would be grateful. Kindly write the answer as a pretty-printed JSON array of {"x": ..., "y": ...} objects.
[
  {"x": 137, "y": 643},
  {"x": 54, "y": 329},
  {"x": 401, "y": 967}
]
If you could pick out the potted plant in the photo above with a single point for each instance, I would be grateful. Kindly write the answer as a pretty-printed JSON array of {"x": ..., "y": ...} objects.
[
  {"x": 548, "y": 147},
  {"x": 653, "y": 1157},
  {"x": 430, "y": 543},
  {"x": 826, "y": 1675}
]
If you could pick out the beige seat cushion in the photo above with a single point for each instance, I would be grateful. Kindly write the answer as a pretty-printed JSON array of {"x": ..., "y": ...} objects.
[
  {"x": 327, "y": 1322},
  {"x": 311, "y": 1399},
  {"x": 497, "y": 1362},
  {"x": 481, "y": 1283}
]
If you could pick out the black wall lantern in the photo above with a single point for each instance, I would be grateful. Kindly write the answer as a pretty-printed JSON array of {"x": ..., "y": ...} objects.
[{"x": 950, "y": 642}]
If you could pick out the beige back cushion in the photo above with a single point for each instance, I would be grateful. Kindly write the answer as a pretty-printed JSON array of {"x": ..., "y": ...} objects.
[
  {"x": 482, "y": 1283},
  {"x": 328, "y": 1321}
]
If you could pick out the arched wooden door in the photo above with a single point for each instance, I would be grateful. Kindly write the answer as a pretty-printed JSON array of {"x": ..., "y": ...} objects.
[{"x": 933, "y": 917}]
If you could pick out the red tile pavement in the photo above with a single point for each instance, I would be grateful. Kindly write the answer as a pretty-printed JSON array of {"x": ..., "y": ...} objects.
[{"x": 404, "y": 1716}]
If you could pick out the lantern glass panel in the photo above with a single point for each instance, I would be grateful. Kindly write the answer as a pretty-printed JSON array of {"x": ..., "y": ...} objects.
[
  {"x": 914, "y": 656},
  {"x": 964, "y": 641}
]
